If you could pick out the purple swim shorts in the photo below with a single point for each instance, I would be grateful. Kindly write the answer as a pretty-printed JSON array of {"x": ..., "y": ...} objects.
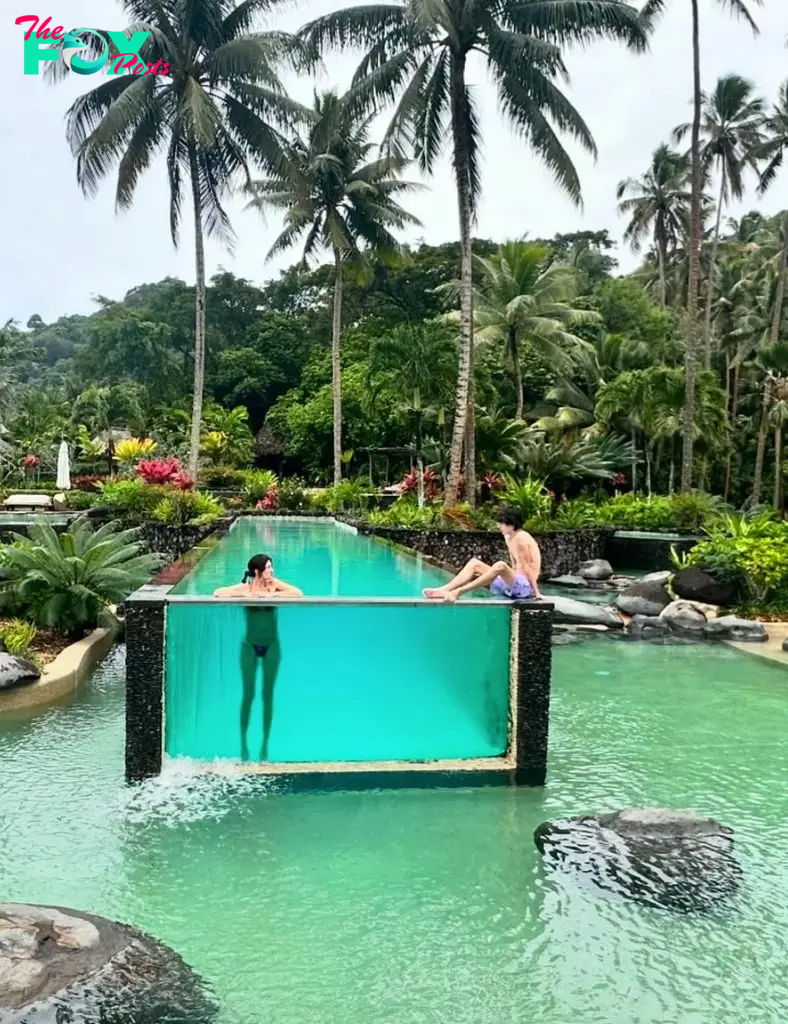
[{"x": 519, "y": 590}]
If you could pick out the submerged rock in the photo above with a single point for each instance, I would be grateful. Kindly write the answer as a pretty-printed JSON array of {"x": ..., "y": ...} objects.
[
  {"x": 568, "y": 580},
  {"x": 596, "y": 569},
  {"x": 660, "y": 858},
  {"x": 658, "y": 577},
  {"x": 643, "y": 599},
  {"x": 648, "y": 626},
  {"x": 16, "y": 671},
  {"x": 729, "y": 627},
  {"x": 695, "y": 585},
  {"x": 683, "y": 616},
  {"x": 60, "y": 965},
  {"x": 566, "y": 609}
]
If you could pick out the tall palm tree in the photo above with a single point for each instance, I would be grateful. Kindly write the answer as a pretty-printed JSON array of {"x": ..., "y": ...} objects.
[
  {"x": 520, "y": 296},
  {"x": 214, "y": 107},
  {"x": 657, "y": 205},
  {"x": 417, "y": 51},
  {"x": 652, "y": 9},
  {"x": 731, "y": 120},
  {"x": 342, "y": 201},
  {"x": 773, "y": 149}
]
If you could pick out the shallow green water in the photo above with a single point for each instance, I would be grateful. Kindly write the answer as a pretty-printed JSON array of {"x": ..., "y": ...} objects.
[
  {"x": 348, "y": 683},
  {"x": 430, "y": 906}
]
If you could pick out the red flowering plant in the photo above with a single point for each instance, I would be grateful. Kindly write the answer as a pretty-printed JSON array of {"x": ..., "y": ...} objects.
[
  {"x": 618, "y": 480},
  {"x": 160, "y": 471},
  {"x": 31, "y": 462},
  {"x": 89, "y": 482},
  {"x": 410, "y": 485},
  {"x": 270, "y": 501},
  {"x": 182, "y": 481},
  {"x": 494, "y": 482}
]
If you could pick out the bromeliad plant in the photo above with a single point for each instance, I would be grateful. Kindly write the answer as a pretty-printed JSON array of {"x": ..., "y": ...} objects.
[{"x": 67, "y": 581}]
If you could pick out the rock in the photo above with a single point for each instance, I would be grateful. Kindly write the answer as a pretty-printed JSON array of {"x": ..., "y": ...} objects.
[
  {"x": 568, "y": 581},
  {"x": 643, "y": 599},
  {"x": 729, "y": 627},
  {"x": 16, "y": 671},
  {"x": 64, "y": 965},
  {"x": 682, "y": 615},
  {"x": 661, "y": 858},
  {"x": 785, "y": 644},
  {"x": 621, "y": 582},
  {"x": 562, "y": 638},
  {"x": 645, "y": 626},
  {"x": 566, "y": 609},
  {"x": 695, "y": 585},
  {"x": 658, "y": 577},
  {"x": 596, "y": 569}
]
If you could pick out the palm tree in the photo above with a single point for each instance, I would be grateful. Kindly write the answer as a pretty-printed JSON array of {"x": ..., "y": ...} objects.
[
  {"x": 418, "y": 51},
  {"x": 652, "y": 9},
  {"x": 522, "y": 297},
  {"x": 772, "y": 363},
  {"x": 342, "y": 201},
  {"x": 657, "y": 205},
  {"x": 775, "y": 128},
  {"x": 214, "y": 107},
  {"x": 731, "y": 120}
]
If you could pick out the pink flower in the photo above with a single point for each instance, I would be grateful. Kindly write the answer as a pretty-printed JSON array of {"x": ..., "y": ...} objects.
[
  {"x": 31, "y": 461},
  {"x": 182, "y": 481},
  {"x": 160, "y": 471},
  {"x": 270, "y": 501}
]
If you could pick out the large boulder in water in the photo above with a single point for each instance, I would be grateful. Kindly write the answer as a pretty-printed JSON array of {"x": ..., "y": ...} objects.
[
  {"x": 693, "y": 584},
  {"x": 657, "y": 857},
  {"x": 595, "y": 569},
  {"x": 643, "y": 598},
  {"x": 60, "y": 965},
  {"x": 16, "y": 671},
  {"x": 584, "y": 613}
]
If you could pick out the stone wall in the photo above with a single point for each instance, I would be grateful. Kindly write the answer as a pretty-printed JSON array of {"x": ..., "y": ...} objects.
[
  {"x": 175, "y": 541},
  {"x": 562, "y": 552}
]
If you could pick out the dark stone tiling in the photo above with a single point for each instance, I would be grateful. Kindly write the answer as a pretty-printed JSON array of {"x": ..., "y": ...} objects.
[
  {"x": 532, "y": 664},
  {"x": 145, "y": 666}
]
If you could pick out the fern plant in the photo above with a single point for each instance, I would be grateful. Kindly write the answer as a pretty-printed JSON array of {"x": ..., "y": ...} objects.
[{"x": 67, "y": 581}]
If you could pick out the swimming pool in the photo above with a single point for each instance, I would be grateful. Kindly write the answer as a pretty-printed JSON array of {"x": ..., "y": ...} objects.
[
  {"x": 386, "y": 677},
  {"x": 430, "y": 906}
]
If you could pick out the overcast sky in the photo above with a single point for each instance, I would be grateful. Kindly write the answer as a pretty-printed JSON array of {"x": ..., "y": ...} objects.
[{"x": 60, "y": 249}]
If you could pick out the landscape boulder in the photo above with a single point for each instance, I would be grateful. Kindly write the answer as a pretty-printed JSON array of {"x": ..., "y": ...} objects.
[
  {"x": 730, "y": 627},
  {"x": 596, "y": 569},
  {"x": 16, "y": 671},
  {"x": 567, "y": 610},
  {"x": 683, "y": 616},
  {"x": 568, "y": 580},
  {"x": 658, "y": 577},
  {"x": 647, "y": 626},
  {"x": 643, "y": 598},
  {"x": 695, "y": 585},
  {"x": 60, "y": 965},
  {"x": 661, "y": 858}
]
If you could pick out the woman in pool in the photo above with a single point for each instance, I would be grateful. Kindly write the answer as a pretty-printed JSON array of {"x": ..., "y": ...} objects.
[{"x": 261, "y": 642}]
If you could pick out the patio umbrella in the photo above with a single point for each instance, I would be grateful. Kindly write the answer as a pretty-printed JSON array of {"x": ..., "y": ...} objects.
[{"x": 63, "y": 468}]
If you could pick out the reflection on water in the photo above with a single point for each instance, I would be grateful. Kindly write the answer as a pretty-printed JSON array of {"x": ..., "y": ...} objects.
[{"x": 430, "y": 906}]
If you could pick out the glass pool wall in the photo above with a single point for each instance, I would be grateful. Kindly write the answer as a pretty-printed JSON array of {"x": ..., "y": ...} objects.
[{"x": 359, "y": 681}]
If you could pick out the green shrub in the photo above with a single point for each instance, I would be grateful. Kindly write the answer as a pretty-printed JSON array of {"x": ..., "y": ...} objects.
[
  {"x": 18, "y": 636},
  {"x": 132, "y": 498},
  {"x": 182, "y": 508},
  {"x": 256, "y": 483},
  {"x": 222, "y": 478},
  {"x": 80, "y": 501},
  {"x": 528, "y": 496},
  {"x": 576, "y": 514},
  {"x": 291, "y": 496},
  {"x": 66, "y": 581},
  {"x": 347, "y": 496},
  {"x": 406, "y": 514}
]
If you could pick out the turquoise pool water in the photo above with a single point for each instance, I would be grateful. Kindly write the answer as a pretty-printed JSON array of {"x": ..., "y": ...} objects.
[
  {"x": 430, "y": 906},
  {"x": 351, "y": 683}
]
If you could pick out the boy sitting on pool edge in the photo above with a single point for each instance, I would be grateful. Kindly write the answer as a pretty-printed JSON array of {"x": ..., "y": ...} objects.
[{"x": 517, "y": 581}]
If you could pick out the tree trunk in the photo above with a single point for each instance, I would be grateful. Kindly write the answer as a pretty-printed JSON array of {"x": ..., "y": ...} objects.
[
  {"x": 661, "y": 259},
  {"x": 761, "y": 450},
  {"x": 470, "y": 444},
  {"x": 779, "y": 295},
  {"x": 712, "y": 267},
  {"x": 647, "y": 452},
  {"x": 199, "y": 320},
  {"x": 672, "y": 470},
  {"x": 336, "y": 366},
  {"x": 634, "y": 480},
  {"x": 459, "y": 124},
  {"x": 733, "y": 407},
  {"x": 778, "y": 468},
  {"x": 517, "y": 372},
  {"x": 694, "y": 262}
]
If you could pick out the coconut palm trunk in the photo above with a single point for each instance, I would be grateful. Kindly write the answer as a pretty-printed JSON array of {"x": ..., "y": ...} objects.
[
  {"x": 634, "y": 481},
  {"x": 517, "y": 373},
  {"x": 762, "y": 432},
  {"x": 687, "y": 431},
  {"x": 779, "y": 295},
  {"x": 778, "y": 467},
  {"x": 199, "y": 318},
  {"x": 462, "y": 165},
  {"x": 712, "y": 266},
  {"x": 336, "y": 365},
  {"x": 661, "y": 260}
]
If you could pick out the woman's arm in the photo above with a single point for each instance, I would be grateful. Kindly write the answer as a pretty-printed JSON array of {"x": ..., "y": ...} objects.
[
  {"x": 237, "y": 590},
  {"x": 287, "y": 590}
]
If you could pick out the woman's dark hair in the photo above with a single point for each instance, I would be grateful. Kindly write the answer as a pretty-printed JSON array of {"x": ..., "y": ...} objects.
[
  {"x": 257, "y": 563},
  {"x": 510, "y": 516}
]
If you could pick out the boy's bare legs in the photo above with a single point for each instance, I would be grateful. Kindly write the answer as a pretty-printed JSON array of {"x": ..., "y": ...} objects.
[{"x": 476, "y": 567}]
